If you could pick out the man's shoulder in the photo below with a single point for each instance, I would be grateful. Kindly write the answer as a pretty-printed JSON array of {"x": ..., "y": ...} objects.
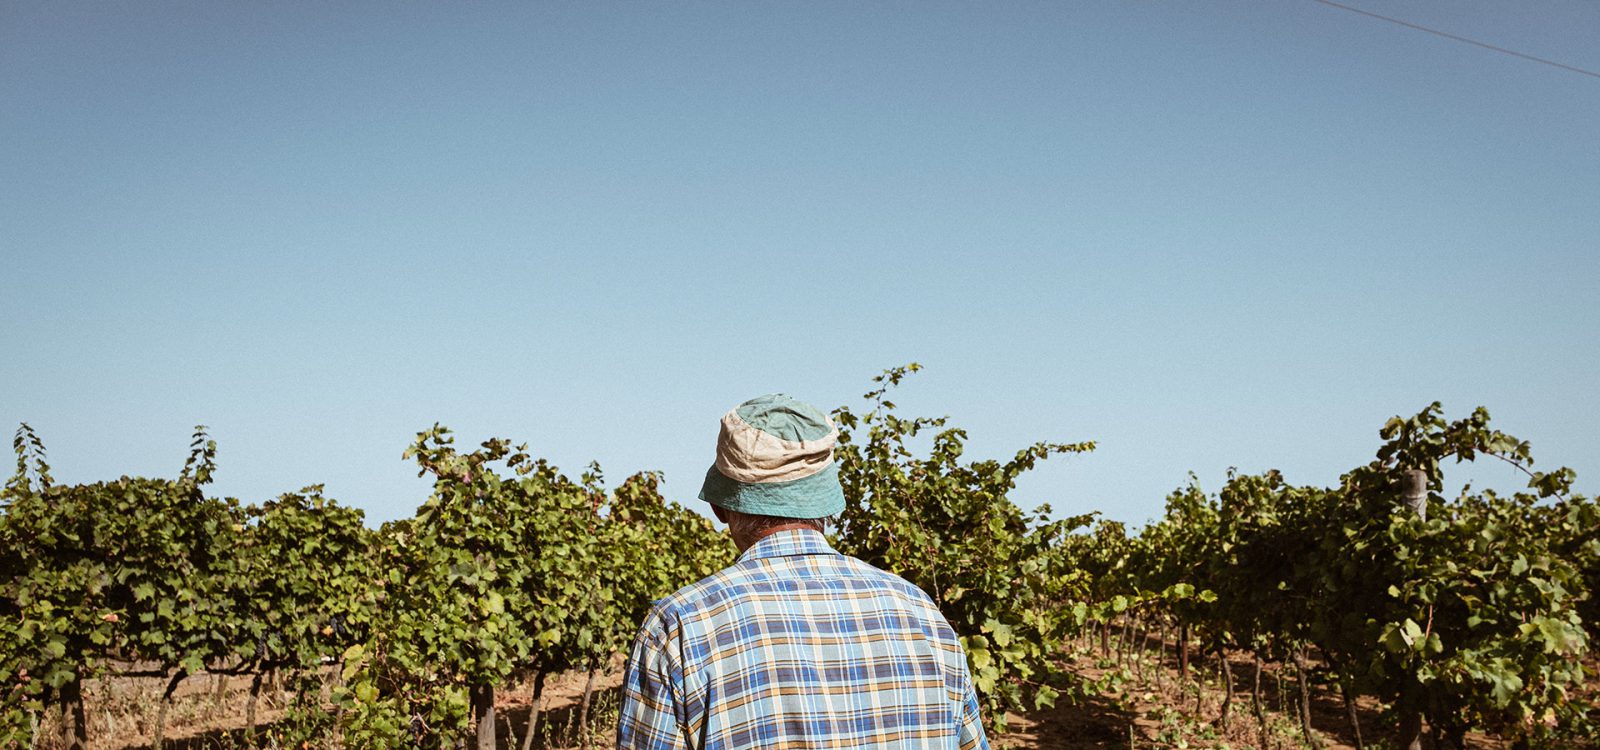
[
  {"x": 891, "y": 582},
  {"x": 695, "y": 595},
  {"x": 749, "y": 578}
]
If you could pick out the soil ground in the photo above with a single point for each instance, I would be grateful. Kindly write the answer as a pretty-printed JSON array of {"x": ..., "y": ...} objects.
[{"x": 1131, "y": 702}]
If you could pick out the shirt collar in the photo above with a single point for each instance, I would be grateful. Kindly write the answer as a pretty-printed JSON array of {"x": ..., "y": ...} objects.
[{"x": 789, "y": 542}]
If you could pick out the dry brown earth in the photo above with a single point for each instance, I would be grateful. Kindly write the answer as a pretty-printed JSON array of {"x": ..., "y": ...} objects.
[{"x": 1139, "y": 712}]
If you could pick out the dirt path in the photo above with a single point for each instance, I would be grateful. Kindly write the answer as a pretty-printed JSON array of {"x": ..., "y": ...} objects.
[{"x": 1133, "y": 703}]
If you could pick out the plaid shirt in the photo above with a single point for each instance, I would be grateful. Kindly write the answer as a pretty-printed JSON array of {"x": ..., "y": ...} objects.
[{"x": 797, "y": 646}]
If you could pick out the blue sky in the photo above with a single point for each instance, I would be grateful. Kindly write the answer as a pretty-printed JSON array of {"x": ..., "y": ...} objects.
[{"x": 1203, "y": 234}]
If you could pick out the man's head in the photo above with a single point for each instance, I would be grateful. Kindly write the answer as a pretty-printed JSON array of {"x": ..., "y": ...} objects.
[{"x": 774, "y": 469}]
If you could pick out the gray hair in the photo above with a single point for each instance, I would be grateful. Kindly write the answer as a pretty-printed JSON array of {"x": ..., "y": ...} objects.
[{"x": 750, "y": 525}]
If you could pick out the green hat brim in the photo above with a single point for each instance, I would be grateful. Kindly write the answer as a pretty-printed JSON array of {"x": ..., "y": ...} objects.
[{"x": 816, "y": 496}]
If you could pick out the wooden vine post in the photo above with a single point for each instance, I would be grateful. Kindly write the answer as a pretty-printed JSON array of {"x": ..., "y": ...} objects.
[
  {"x": 482, "y": 699},
  {"x": 1414, "y": 493},
  {"x": 1414, "y": 490}
]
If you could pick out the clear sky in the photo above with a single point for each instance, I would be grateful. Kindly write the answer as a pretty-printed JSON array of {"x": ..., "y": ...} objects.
[{"x": 1204, "y": 234}]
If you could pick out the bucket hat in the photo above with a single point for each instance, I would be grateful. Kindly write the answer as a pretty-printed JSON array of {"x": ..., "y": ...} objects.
[{"x": 775, "y": 458}]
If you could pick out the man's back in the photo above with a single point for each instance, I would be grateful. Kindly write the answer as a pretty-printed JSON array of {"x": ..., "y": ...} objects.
[{"x": 798, "y": 646}]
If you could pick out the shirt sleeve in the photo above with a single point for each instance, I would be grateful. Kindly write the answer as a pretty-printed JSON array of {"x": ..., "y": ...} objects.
[
  {"x": 652, "y": 695},
  {"x": 969, "y": 715},
  {"x": 971, "y": 734}
]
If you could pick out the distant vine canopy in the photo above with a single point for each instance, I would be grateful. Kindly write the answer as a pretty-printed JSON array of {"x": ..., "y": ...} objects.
[{"x": 1453, "y": 615}]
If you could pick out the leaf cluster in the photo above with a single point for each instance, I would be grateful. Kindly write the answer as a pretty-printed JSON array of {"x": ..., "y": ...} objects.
[{"x": 950, "y": 527}]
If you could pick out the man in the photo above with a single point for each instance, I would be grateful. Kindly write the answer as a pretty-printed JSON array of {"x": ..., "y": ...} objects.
[{"x": 794, "y": 645}]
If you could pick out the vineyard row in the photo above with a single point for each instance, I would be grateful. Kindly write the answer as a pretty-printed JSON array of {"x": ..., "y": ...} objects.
[{"x": 1457, "y": 614}]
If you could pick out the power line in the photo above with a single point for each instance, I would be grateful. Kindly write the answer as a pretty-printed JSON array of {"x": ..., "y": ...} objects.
[{"x": 1448, "y": 35}]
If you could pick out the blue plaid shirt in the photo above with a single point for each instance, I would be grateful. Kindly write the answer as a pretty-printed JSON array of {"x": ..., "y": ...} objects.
[{"x": 797, "y": 646}]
